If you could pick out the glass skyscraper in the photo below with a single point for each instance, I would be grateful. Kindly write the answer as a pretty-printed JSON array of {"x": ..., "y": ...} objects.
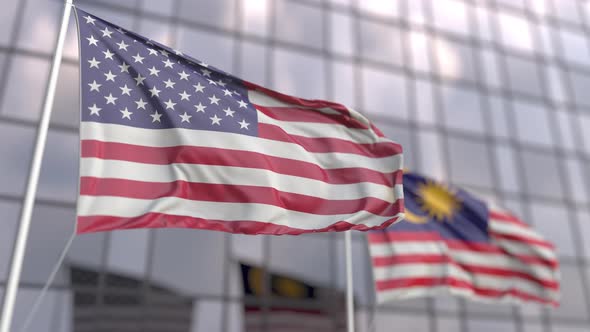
[{"x": 490, "y": 95}]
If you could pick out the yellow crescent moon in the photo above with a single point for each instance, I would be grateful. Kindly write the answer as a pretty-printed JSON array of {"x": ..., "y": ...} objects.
[{"x": 414, "y": 218}]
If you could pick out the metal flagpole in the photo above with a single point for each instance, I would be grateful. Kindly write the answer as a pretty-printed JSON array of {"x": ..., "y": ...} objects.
[
  {"x": 29, "y": 200},
  {"x": 349, "y": 293}
]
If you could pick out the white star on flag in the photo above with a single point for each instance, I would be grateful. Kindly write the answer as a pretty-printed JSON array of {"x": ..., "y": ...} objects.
[
  {"x": 185, "y": 117},
  {"x": 94, "y": 110},
  {"x": 215, "y": 120},
  {"x": 126, "y": 113}
]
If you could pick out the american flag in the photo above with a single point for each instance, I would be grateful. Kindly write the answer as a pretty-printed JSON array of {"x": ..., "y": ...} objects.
[
  {"x": 452, "y": 242},
  {"x": 169, "y": 141}
]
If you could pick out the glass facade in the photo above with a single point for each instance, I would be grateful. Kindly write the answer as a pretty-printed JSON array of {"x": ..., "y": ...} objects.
[{"x": 491, "y": 95}]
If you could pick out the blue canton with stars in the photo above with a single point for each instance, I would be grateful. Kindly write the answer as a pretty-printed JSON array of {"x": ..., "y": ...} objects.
[{"x": 130, "y": 80}]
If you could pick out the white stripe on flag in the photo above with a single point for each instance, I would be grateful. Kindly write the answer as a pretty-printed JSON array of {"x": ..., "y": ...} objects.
[
  {"x": 131, "y": 207},
  {"x": 210, "y": 139}
]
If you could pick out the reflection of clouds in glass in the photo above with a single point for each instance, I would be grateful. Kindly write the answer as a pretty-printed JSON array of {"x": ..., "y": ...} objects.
[
  {"x": 539, "y": 7},
  {"x": 419, "y": 48},
  {"x": 254, "y": 17},
  {"x": 515, "y": 32},
  {"x": 380, "y": 7},
  {"x": 451, "y": 15},
  {"x": 448, "y": 61},
  {"x": 255, "y": 8},
  {"x": 416, "y": 12}
]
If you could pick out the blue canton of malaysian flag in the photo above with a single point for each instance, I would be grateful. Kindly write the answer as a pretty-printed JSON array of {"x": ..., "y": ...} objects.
[{"x": 169, "y": 141}]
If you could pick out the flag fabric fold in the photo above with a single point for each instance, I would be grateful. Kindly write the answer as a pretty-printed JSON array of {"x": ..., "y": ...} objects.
[
  {"x": 169, "y": 141},
  {"x": 451, "y": 242}
]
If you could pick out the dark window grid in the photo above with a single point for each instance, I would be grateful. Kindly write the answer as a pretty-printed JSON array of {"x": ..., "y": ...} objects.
[
  {"x": 564, "y": 72},
  {"x": 329, "y": 88},
  {"x": 542, "y": 60},
  {"x": 440, "y": 117},
  {"x": 442, "y": 313},
  {"x": 386, "y": 67},
  {"x": 520, "y": 167},
  {"x": 410, "y": 79},
  {"x": 472, "y": 40},
  {"x": 270, "y": 44},
  {"x": 16, "y": 27}
]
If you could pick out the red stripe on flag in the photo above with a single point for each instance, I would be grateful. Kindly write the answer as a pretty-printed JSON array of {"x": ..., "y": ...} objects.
[
  {"x": 89, "y": 224},
  {"x": 292, "y": 114},
  {"x": 227, "y": 193},
  {"x": 327, "y": 145},
  {"x": 473, "y": 269},
  {"x": 298, "y": 101},
  {"x": 505, "y": 217},
  {"x": 456, "y": 283},
  {"x": 522, "y": 239},
  {"x": 236, "y": 158},
  {"x": 392, "y": 237}
]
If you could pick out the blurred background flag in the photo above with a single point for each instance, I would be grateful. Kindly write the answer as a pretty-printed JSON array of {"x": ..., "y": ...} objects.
[
  {"x": 325, "y": 306},
  {"x": 169, "y": 141},
  {"x": 452, "y": 242}
]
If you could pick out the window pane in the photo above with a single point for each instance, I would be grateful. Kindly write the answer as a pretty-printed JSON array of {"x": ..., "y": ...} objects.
[
  {"x": 255, "y": 16},
  {"x": 217, "y": 53},
  {"x": 455, "y": 60},
  {"x": 450, "y": 15},
  {"x": 567, "y": 10},
  {"x": 27, "y": 77},
  {"x": 573, "y": 304},
  {"x": 541, "y": 174},
  {"x": 10, "y": 213},
  {"x": 415, "y": 323},
  {"x": 575, "y": 47},
  {"x": 7, "y": 18},
  {"x": 384, "y": 93},
  {"x": 299, "y": 24},
  {"x": 205, "y": 250},
  {"x": 506, "y": 166},
  {"x": 289, "y": 78},
  {"x": 532, "y": 123},
  {"x": 380, "y": 42},
  {"x": 524, "y": 76},
  {"x": 470, "y": 163},
  {"x": 341, "y": 34},
  {"x": 553, "y": 222},
  {"x": 491, "y": 325},
  {"x": 431, "y": 155},
  {"x": 380, "y": 7},
  {"x": 343, "y": 83},
  {"x": 462, "y": 109},
  {"x": 15, "y": 158},
  {"x": 515, "y": 32},
  {"x": 215, "y": 13},
  {"x": 580, "y": 83}
]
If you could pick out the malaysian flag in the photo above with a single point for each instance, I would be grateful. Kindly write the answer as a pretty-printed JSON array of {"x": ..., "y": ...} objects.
[
  {"x": 452, "y": 242},
  {"x": 169, "y": 141},
  {"x": 291, "y": 304}
]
